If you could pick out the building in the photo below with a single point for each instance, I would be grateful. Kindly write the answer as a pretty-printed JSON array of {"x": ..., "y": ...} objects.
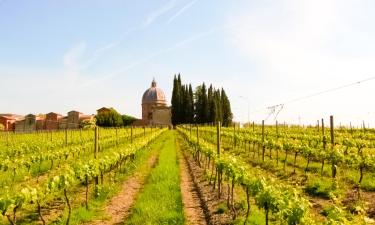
[
  {"x": 9, "y": 121},
  {"x": 74, "y": 120},
  {"x": 28, "y": 124},
  {"x": 155, "y": 110},
  {"x": 50, "y": 121}
]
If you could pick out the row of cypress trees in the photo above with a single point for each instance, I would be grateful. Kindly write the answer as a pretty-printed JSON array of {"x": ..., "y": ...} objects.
[{"x": 200, "y": 106}]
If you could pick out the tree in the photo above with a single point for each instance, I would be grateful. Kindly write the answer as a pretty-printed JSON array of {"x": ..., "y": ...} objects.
[
  {"x": 217, "y": 105},
  {"x": 127, "y": 120},
  {"x": 88, "y": 124},
  {"x": 109, "y": 118},
  {"x": 211, "y": 104},
  {"x": 174, "y": 101},
  {"x": 190, "y": 105},
  {"x": 226, "y": 109},
  {"x": 202, "y": 106},
  {"x": 183, "y": 106}
]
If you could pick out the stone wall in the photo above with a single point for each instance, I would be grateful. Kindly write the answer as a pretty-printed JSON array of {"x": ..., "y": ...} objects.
[{"x": 161, "y": 116}]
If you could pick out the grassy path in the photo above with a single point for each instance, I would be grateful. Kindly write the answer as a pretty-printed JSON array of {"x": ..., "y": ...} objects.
[
  {"x": 160, "y": 202},
  {"x": 192, "y": 201},
  {"x": 116, "y": 198}
]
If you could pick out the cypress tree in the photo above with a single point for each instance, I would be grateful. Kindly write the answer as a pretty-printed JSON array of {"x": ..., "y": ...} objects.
[
  {"x": 185, "y": 102},
  {"x": 180, "y": 111},
  {"x": 198, "y": 104},
  {"x": 175, "y": 101},
  {"x": 217, "y": 105},
  {"x": 190, "y": 106},
  {"x": 211, "y": 104},
  {"x": 204, "y": 109},
  {"x": 226, "y": 109},
  {"x": 202, "y": 106}
]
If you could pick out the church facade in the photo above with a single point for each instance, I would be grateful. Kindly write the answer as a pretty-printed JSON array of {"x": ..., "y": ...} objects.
[{"x": 155, "y": 110}]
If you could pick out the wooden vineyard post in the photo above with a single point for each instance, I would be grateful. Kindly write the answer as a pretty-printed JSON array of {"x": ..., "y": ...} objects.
[
  {"x": 131, "y": 134},
  {"x": 317, "y": 124},
  {"x": 144, "y": 132},
  {"x": 190, "y": 131},
  {"x": 116, "y": 137},
  {"x": 96, "y": 144},
  {"x": 198, "y": 153},
  {"x": 219, "y": 173},
  {"x": 334, "y": 166},
  {"x": 263, "y": 146},
  {"x": 71, "y": 135},
  {"x": 7, "y": 138},
  {"x": 364, "y": 127},
  {"x": 234, "y": 136},
  {"x": 332, "y": 131},
  {"x": 66, "y": 137},
  {"x": 198, "y": 134},
  {"x": 277, "y": 129},
  {"x": 218, "y": 136},
  {"x": 324, "y": 147},
  {"x": 96, "y": 137},
  {"x": 253, "y": 126}
]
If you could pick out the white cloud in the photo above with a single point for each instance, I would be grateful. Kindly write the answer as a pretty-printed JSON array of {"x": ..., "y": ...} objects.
[
  {"x": 152, "y": 55},
  {"x": 181, "y": 11},
  {"x": 158, "y": 13}
]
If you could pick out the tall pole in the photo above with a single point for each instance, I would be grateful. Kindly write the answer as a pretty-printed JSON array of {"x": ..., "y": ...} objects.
[
  {"x": 131, "y": 134},
  {"x": 263, "y": 146},
  {"x": 218, "y": 137},
  {"x": 197, "y": 134},
  {"x": 332, "y": 130},
  {"x": 96, "y": 143}
]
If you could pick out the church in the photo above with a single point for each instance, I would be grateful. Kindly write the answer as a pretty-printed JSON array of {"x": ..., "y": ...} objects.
[{"x": 155, "y": 110}]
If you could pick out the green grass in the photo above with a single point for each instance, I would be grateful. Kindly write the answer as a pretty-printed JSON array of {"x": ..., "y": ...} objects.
[
  {"x": 160, "y": 201},
  {"x": 111, "y": 188}
]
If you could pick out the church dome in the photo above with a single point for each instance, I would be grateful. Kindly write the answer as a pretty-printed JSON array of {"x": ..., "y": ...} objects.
[{"x": 154, "y": 95}]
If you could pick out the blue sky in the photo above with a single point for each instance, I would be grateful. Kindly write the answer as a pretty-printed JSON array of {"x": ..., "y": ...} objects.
[{"x": 63, "y": 55}]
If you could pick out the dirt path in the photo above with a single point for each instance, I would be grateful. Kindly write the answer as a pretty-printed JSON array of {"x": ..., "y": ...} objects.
[
  {"x": 119, "y": 206},
  {"x": 193, "y": 210}
]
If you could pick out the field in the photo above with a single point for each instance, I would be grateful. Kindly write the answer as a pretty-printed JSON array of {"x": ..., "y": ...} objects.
[{"x": 192, "y": 175}]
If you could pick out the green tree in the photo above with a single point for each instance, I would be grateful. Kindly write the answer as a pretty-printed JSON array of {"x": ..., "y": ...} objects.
[
  {"x": 110, "y": 118},
  {"x": 127, "y": 120},
  {"x": 175, "y": 101},
  {"x": 190, "y": 105},
  {"x": 217, "y": 105},
  {"x": 211, "y": 104},
  {"x": 88, "y": 124},
  {"x": 226, "y": 109}
]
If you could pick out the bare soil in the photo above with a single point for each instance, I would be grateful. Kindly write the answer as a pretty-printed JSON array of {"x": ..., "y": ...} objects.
[
  {"x": 119, "y": 206},
  {"x": 209, "y": 199},
  {"x": 193, "y": 208}
]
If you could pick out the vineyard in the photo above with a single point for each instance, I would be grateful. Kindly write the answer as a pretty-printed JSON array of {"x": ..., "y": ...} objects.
[
  {"x": 299, "y": 175},
  {"x": 41, "y": 172},
  {"x": 254, "y": 175}
]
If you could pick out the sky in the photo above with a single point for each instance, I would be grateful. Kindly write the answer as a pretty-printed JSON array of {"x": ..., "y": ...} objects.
[{"x": 82, "y": 55}]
